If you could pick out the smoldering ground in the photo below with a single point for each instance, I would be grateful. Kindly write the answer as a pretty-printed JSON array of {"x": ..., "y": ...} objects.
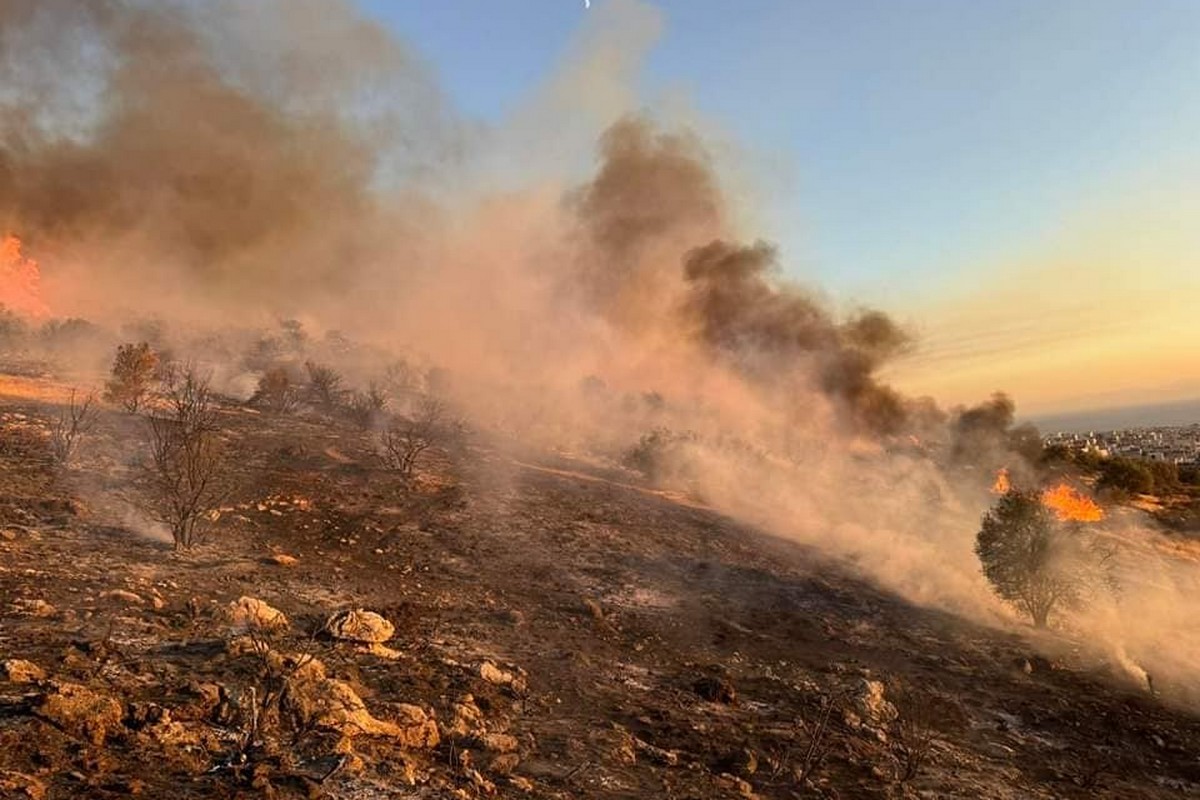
[{"x": 221, "y": 165}]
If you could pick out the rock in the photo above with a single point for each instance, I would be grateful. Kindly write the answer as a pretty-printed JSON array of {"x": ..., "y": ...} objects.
[
  {"x": 505, "y": 764},
  {"x": 251, "y": 613},
  {"x": 320, "y": 701},
  {"x": 482, "y": 784},
  {"x": 18, "y": 785},
  {"x": 381, "y": 651},
  {"x": 872, "y": 706},
  {"x": 245, "y": 645},
  {"x": 34, "y": 608},
  {"x": 365, "y": 627},
  {"x": 16, "y": 670},
  {"x": 80, "y": 711},
  {"x": 493, "y": 674},
  {"x": 716, "y": 689},
  {"x": 499, "y": 743},
  {"x": 123, "y": 596},
  {"x": 282, "y": 560},
  {"x": 209, "y": 696},
  {"x": 667, "y": 758},
  {"x": 734, "y": 783},
  {"x": 467, "y": 720},
  {"x": 524, "y": 784}
]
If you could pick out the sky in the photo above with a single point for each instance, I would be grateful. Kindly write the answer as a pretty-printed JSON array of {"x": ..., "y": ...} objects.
[{"x": 1014, "y": 179}]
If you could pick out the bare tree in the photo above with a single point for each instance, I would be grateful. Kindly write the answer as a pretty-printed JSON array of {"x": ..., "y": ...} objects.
[
  {"x": 184, "y": 469},
  {"x": 809, "y": 743},
  {"x": 276, "y": 390},
  {"x": 73, "y": 422},
  {"x": 325, "y": 384},
  {"x": 406, "y": 438},
  {"x": 133, "y": 373},
  {"x": 912, "y": 732},
  {"x": 367, "y": 408}
]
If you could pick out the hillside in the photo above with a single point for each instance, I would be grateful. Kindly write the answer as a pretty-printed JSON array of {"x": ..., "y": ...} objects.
[{"x": 561, "y": 631}]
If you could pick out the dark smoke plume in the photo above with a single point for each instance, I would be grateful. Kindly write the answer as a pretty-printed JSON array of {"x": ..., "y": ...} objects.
[
  {"x": 773, "y": 329},
  {"x": 236, "y": 144}
]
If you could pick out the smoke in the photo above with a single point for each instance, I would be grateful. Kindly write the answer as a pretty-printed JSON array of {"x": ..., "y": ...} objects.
[{"x": 219, "y": 166}]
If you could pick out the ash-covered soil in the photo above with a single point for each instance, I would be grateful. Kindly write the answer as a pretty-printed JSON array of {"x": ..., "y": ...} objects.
[{"x": 559, "y": 630}]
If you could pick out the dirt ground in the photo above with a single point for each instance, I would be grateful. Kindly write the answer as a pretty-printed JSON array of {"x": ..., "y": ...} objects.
[{"x": 560, "y": 630}]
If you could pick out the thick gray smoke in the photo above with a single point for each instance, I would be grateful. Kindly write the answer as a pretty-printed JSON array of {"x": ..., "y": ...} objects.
[{"x": 219, "y": 150}]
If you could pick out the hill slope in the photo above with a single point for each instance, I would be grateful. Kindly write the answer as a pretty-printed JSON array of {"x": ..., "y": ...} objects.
[{"x": 561, "y": 631}]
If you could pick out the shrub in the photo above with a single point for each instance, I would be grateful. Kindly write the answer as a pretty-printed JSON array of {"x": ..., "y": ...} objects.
[
  {"x": 1033, "y": 561},
  {"x": 367, "y": 408},
  {"x": 912, "y": 732},
  {"x": 1126, "y": 474},
  {"x": 133, "y": 373},
  {"x": 276, "y": 390},
  {"x": 657, "y": 453},
  {"x": 73, "y": 422},
  {"x": 13, "y": 330},
  {"x": 324, "y": 385},
  {"x": 183, "y": 473},
  {"x": 406, "y": 438}
]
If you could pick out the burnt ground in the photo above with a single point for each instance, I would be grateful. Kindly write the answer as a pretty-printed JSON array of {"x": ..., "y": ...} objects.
[{"x": 614, "y": 641}]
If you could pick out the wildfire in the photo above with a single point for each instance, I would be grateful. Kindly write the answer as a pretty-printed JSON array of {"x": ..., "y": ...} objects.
[
  {"x": 1068, "y": 504},
  {"x": 20, "y": 281},
  {"x": 1002, "y": 484}
]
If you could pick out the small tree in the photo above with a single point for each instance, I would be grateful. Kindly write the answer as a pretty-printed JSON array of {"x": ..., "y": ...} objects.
[
  {"x": 367, "y": 408},
  {"x": 1126, "y": 474},
  {"x": 325, "y": 385},
  {"x": 276, "y": 390},
  {"x": 132, "y": 376},
  {"x": 185, "y": 465},
  {"x": 73, "y": 422},
  {"x": 406, "y": 438},
  {"x": 1034, "y": 561}
]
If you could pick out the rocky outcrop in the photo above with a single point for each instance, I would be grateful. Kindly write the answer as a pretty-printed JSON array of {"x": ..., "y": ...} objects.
[
  {"x": 16, "y": 670},
  {"x": 80, "y": 711},
  {"x": 360, "y": 626},
  {"x": 250, "y": 613}
]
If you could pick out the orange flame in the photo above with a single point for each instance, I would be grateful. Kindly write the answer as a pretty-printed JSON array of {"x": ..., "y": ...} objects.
[
  {"x": 20, "y": 281},
  {"x": 1068, "y": 504},
  {"x": 1002, "y": 484}
]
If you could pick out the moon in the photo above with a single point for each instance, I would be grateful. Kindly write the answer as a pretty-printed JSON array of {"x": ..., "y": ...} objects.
[{"x": 587, "y": 3}]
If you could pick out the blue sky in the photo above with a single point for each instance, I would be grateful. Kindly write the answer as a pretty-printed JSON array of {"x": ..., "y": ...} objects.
[
  {"x": 899, "y": 148},
  {"x": 914, "y": 136}
]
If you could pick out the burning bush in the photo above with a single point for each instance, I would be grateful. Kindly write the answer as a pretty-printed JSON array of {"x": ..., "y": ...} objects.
[
  {"x": 1036, "y": 561},
  {"x": 183, "y": 472},
  {"x": 133, "y": 373}
]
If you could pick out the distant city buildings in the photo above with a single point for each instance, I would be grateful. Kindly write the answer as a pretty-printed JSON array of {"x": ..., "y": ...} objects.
[{"x": 1174, "y": 445}]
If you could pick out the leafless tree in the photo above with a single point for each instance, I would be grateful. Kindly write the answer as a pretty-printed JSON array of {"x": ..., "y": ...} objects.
[
  {"x": 325, "y": 385},
  {"x": 133, "y": 373},
  {"x": 183, "y": 473},
  {"x": 406, "y": 438},
  {"x": 72, "y": 423},
  {"x": 809, "y": 744},
  {"x": 912, "y": 733},
  {"x": 367, "y": 408}
]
